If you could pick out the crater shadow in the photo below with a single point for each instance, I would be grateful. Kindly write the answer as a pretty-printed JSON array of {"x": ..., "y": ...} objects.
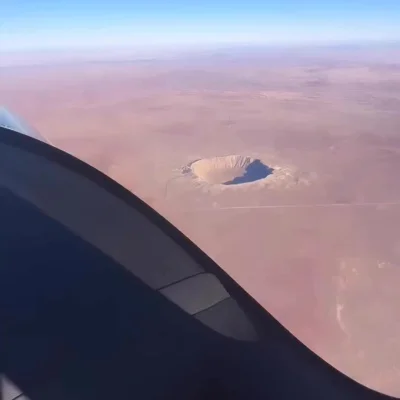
[{"x": 255, "y": 171}]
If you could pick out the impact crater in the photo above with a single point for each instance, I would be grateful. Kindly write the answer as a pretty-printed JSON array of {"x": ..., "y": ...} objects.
[{"x": 230, "y": 170}]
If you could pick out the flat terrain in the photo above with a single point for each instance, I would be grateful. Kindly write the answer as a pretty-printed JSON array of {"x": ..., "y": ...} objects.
[{"x": 317, "y": 242}]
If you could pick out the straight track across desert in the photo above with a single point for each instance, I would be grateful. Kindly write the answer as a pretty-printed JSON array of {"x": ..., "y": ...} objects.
[{"x": 322, "y": 205}]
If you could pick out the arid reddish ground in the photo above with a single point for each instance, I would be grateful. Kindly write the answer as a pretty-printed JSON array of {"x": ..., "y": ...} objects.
[{"x": 320, "y": 249}]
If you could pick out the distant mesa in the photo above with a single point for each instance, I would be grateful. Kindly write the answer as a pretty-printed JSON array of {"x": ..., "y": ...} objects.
[{"x": 229, "y": 170}]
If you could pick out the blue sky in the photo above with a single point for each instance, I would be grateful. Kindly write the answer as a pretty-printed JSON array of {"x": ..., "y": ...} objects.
[{"x": 52, "y": 24}]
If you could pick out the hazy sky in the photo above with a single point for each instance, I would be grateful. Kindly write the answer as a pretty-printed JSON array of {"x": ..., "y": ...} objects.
[{"x": 42, "y": 24}]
